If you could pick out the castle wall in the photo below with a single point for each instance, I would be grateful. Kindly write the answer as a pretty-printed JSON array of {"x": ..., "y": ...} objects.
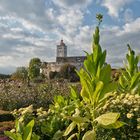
[
  {"x": 75, "y": 59},
  {"x": 56, "y": 66}
]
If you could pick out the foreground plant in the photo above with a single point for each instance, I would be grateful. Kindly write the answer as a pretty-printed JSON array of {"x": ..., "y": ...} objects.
[
  {"x": 22, "y": 131},
  {"x": 96, "y": 83}
]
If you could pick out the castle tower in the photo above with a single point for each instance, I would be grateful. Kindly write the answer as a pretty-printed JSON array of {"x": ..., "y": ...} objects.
[{"x": 61, "y": 49}]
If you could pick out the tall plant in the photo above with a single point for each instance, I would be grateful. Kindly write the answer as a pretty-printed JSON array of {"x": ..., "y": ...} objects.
[
  {"x": 129, "y": 81},
  {"x": 96, "y": 83}
]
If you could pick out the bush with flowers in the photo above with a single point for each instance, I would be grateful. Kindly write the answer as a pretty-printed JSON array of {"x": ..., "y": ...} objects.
[{"x": 129, "y": 107}]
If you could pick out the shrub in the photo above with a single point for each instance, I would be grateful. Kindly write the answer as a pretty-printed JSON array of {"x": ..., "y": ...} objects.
[
  {"x": 54, "y": 74},
  {"x": 129, "y": 107},
  {"x": 13, "y": 96},
  {"x": 67, "y": 71}
]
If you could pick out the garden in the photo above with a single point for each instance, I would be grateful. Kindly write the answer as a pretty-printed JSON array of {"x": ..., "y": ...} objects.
[{"x": 100, "y": 107}]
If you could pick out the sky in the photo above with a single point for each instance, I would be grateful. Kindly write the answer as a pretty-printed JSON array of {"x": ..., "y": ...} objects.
[{"x": 33, "y": 28}]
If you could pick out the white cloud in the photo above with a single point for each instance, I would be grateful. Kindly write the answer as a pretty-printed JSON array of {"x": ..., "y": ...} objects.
[
  {"x": 130, "y": 28},
  {"x": 115, "y": 40},
  {"x": 115, "y": 6},
  {"x": 128, "y": 15},
  {"x": 70, "y": 20},
  {"x": 72, "y": 3}
]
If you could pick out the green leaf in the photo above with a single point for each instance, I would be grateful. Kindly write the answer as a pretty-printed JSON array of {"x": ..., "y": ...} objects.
[
  {"x": 35, "y": 137},
  {"x": 58, "y": 135},
  {"x": 89, "y": 135},
  {"x": 90, "y": 66},
  {"x": 72, "y": 136},
  {"x": 103, "y": 99},
  {"x": 108, "y": 118},
  {"x": 122, "y": 82},
  {"x": 115, "y": 125},
  {"x": 98, "y": 89},
  {"x": 19, "y": 136},
  {"x": 105, "y": 74},
  {"x": 59, "y": 99},
  {"x": 78, "y": 119},
  {"x": 19, "y": 125},
  {"x": 69, "y": 129},
  {"x": 10, "y": 135},
  {"x": 102, "y": 59},
  {"x": 84, "y": 94},
  {"x": 27, "y": 132},
  {"x": 73, "y": 93},
  {"x": 135, "y": 80},
  {"x": 111, "y": 87}
]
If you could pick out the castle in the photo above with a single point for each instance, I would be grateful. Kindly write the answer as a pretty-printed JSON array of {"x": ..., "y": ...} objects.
[{"x": 62, "y": 59}]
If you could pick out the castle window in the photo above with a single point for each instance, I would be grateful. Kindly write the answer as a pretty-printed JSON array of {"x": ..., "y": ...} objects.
[{"x": 78, "y": 59}]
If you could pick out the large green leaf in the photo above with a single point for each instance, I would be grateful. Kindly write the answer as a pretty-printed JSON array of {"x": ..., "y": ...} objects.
[
  {"x": 85, "y": 79},
  {"x": 106, "y": 74},
  {"x": 89, "y": 135},
  {"x": 90, "y": 66},
  {"x": 69, "y": 128},
  {"x": 27, "y": 133},
  {"x": 108, "y": 118}
]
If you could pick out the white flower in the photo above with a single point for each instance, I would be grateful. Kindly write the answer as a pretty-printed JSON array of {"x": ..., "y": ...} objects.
[
  {"x": 129, "y": 115},
  {"x": 12, "y": 130},
  {"x": 138, "y": 127},
  {"x": 125, "y": 101},
  {"x": 138, "y": 119}
]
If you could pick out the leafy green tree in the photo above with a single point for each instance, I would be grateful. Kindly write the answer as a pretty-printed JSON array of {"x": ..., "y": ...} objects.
[
  {"x": 34, "y": 68},
  {"x": 21, "y": 73}
]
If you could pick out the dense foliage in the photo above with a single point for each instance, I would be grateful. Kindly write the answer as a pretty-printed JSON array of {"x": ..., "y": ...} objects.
[
  {"x": 15, "y": 95},
  {"x": 20, "y": 74}
]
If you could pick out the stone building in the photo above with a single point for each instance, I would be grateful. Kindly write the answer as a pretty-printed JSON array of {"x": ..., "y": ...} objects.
[{"x": 62, "y": 59}]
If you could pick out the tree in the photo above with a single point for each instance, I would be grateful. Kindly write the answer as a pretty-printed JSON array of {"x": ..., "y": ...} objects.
[
  {"x": 21, "y": 73},
  {"x": 34, "y": 68},
  {"x": 67, "y": 71}
]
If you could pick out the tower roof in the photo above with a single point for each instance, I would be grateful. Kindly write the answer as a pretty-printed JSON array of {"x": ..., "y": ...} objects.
[{"x": 62, "y": 43}]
